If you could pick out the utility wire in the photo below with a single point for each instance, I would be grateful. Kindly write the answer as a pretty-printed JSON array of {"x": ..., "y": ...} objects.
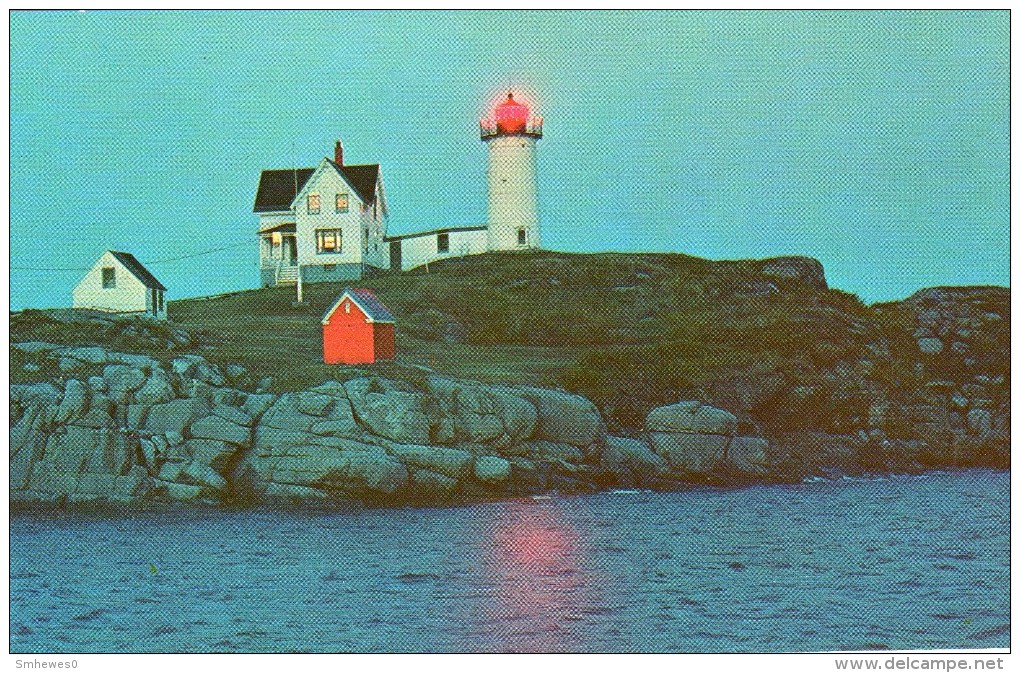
[
  {"x": 199, "y": 254},
  {"x": 152, "y": 263}
]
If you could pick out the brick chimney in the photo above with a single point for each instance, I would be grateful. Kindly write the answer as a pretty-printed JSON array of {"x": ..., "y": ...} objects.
[{"x": 338, "y": 153}]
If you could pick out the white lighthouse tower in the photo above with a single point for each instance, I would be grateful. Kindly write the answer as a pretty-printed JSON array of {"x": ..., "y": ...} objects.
[{"x": 511, "y": 134}]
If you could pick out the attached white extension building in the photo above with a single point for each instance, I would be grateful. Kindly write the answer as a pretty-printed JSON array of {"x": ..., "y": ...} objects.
[
  {"x": 118, "y": 283},
  {"x": 328, "y": 223}
]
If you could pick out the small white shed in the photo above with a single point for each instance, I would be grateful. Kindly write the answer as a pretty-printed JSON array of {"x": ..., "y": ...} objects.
[{"x": 120, "y": 284}]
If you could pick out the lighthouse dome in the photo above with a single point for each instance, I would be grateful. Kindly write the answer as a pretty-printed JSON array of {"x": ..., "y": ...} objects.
[{"x": 512, "y": 116}]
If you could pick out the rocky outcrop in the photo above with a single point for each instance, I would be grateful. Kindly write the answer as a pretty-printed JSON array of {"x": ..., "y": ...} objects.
[
  {"x": 633, "y": 461},
  {"x": 149, "y": 431},
  {"x": 475, "y": 413},
  {"x": 562, "y": 417},
  {"x": 701, "y": 440},
  {"x": 959, "y": 415},
  {"x": 806, "y": 269},
  {"x": 110, "y": 428},
  {"x": 146, "y": 430},
  {"x": 389, "y": 409}
]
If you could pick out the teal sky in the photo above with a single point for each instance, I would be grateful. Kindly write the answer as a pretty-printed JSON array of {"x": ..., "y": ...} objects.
[{"x": 877, "y": 142}]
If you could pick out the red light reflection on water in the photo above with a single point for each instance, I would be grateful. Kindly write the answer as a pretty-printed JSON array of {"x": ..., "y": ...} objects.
[
  {"x": 536, "y": 543},
  {"x": 535, "y": 564}
]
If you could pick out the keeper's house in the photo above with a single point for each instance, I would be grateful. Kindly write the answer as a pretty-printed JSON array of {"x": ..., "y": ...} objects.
[
  {"x": 118, "y": 283},
  {"x": 328, "y": 221}
]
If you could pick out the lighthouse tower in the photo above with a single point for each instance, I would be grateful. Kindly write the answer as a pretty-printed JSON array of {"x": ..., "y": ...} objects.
[{"x": 511, "y": 134}]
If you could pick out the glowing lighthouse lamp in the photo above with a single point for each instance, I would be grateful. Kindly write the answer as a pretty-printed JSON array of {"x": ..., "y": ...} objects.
[{"x": 511, "y": 134}]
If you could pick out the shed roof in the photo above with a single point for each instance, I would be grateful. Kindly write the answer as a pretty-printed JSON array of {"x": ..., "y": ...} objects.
[
  {"x": 284, "y": 228},
  {"x": 137, "y": 270},
  {"x": 366, "y": 301}
]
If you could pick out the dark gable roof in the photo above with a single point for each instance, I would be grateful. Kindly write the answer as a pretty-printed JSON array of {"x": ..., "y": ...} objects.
[
  {"x": 137, "y": 270},
  {"x": 277, "y": 188},
  {"x": 362, "y": 177},
  {"x": 369, "y": 303}
]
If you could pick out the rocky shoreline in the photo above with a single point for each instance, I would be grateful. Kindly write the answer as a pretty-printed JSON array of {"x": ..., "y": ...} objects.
[{"x": 121, "y": 430}]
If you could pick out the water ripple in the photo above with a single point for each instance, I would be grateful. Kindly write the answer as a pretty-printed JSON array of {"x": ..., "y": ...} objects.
[{"x": 899, "y": 563}]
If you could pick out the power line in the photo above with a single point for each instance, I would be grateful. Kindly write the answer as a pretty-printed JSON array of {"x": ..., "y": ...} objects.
[
  {"x": 152, "y": 263},
  {"x": 199, "y": 254}
]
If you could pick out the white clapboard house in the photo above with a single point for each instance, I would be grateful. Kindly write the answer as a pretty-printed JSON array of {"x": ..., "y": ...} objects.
[
  {"x": 328, "y": 221},
  {"x": 119, "y": 283}
]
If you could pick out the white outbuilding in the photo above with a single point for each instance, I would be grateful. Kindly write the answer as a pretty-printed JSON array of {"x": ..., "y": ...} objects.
[{"x": 118, "y": 283}]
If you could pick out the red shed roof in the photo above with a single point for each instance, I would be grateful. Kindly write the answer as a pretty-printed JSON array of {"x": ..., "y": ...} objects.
[{"x": 364, "y": 299}]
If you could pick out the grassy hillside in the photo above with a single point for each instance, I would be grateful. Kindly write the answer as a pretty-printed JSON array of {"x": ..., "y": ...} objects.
[
  {"x": 630, "y": 331},
  {"x": 536, "y": 317}
]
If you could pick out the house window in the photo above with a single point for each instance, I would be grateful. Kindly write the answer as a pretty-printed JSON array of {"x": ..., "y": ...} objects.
[
  {"x": 329, "y": 268},
  {"x": 522, "y": 237},
  {"x": 313, "y": 204},
  {"x": 366, "y": 239},
  {"x": 347, "y": 307},
  {"x": 161, "y": 300},
  {"x": 443, "y": 243},
  {"x": 328, "y": 241},
  {"x": 109, "y": 277},
  {"x": 341, "y": 203}
]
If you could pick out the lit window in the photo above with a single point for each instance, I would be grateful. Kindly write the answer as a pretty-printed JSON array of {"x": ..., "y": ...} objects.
[
  {"x": 347, "y": 307},
  {"x": 341, "y": 203},
  {"x": 328, "y": 241},
  {"x": 522, "y": 237},
  {"x": 109, "y": 277},
  {"x": 313, "y": 204},
  {"x": 277, "y": 238},
  {"x": 443, "y": 242}
]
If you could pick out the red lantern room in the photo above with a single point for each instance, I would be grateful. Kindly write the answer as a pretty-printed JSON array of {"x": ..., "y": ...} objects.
[{"x": 511, "y": 118}]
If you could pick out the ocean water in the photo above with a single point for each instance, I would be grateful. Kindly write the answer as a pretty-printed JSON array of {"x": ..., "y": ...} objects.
[{"x": 918, "y": 562}]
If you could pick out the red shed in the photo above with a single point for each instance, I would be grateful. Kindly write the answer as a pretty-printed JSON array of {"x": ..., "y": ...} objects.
[{"x": 357, "y": 329}]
